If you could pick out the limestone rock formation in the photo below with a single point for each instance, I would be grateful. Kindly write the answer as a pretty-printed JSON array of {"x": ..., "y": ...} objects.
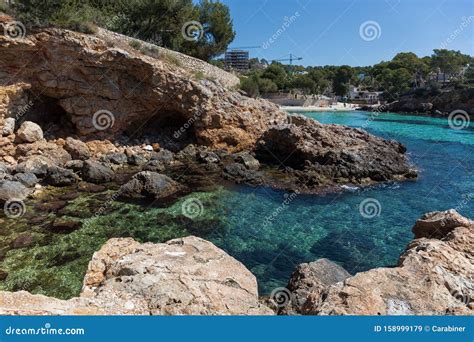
[
  {"x": 103, "y": 91},
  {"x": 435, "y": 276},
  {"x": 109, "y": 90},
  {"x": 188, "y": 276},
  {"x": 333, "y": 152}
]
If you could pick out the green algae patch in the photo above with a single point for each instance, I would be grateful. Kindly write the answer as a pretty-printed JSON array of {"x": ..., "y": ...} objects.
[{"x": 54, "y": 264}]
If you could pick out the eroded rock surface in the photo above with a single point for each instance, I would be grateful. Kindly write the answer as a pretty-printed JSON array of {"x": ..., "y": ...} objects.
[
  {"x": 435, "y": 276},
  {"x": 333, "y": 153},
  {"x": 188, "y": 276}
]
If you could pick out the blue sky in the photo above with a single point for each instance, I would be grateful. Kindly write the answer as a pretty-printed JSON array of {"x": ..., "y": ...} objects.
[{"x": 328, "y": 31}]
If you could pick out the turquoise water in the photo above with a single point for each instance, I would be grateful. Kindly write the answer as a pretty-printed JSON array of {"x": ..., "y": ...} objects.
[
  {"x": 270, "y": 232},
  {"x": 312, "y": 227}
]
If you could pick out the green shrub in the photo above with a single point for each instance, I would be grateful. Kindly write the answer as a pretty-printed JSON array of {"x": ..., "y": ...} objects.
[
  {"x": 135, "y": 44},
  {"x": 170, "y": 58},
  {"x": 199, "y": 75}
]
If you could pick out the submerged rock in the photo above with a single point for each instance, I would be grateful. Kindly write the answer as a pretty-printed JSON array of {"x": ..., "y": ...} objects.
[
  {"x": 435, "y": 276},
  {"x": 151, "y": 185},
  {"x": 188, "y": 276}
]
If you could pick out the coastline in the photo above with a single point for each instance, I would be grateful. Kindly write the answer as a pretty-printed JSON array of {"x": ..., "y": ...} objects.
[{"x": 337, "y": 108}]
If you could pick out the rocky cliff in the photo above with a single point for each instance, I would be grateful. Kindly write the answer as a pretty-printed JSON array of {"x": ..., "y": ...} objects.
[{"x": 99, "y": 89}]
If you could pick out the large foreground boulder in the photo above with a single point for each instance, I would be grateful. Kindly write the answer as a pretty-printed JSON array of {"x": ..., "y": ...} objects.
[
  {"x": 188, "y": 276},
  {"x": 435, "y": 276}
]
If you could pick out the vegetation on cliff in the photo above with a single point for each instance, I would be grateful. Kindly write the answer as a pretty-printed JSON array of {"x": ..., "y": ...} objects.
[{"x": 207, "y": 26}]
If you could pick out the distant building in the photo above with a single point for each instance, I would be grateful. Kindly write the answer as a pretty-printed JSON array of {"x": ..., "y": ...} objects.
[
  {"x": 364, "y": 96},
  {"x": 237, "y": 60}
]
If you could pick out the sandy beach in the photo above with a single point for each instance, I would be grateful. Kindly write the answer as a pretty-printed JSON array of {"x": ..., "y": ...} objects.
[{"x": 339, "y": 107}]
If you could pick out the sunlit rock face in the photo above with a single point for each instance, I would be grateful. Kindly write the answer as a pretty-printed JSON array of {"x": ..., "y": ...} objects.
[{"x": 188, "y": 276}]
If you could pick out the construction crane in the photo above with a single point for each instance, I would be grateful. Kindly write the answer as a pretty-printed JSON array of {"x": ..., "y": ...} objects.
[
  {"x": 291, "y": 59},
  {"x": 245, "y": 47}
]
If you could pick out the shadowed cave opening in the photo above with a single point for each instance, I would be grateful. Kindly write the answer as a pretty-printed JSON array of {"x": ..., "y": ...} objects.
[
  {"x": 169, "y": 128},
  {"x": 47, "y": 113}
]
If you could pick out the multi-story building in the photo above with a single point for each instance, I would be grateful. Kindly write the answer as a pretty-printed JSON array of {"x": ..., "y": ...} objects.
[{"x": 237, "y": 60}]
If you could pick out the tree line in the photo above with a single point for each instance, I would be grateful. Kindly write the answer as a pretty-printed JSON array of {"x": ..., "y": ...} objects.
[
  {"x": 156, "y": 21},
  {"x": 405, "y": 72}
]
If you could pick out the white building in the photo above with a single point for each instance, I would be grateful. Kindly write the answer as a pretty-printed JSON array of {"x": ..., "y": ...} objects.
[{"x": 357, "y": 94}]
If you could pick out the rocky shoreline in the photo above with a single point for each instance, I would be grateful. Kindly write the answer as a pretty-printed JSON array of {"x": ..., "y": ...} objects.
[
  {"x": 85, "y": 125},
  {"x": 436, "y": 105},
  {"x": 435, "y": 276}
]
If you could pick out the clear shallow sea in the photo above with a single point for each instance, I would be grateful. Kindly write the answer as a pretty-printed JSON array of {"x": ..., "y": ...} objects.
[
  {"x": 254, "y": 224},
  {"x": 312, "y": 227}
]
